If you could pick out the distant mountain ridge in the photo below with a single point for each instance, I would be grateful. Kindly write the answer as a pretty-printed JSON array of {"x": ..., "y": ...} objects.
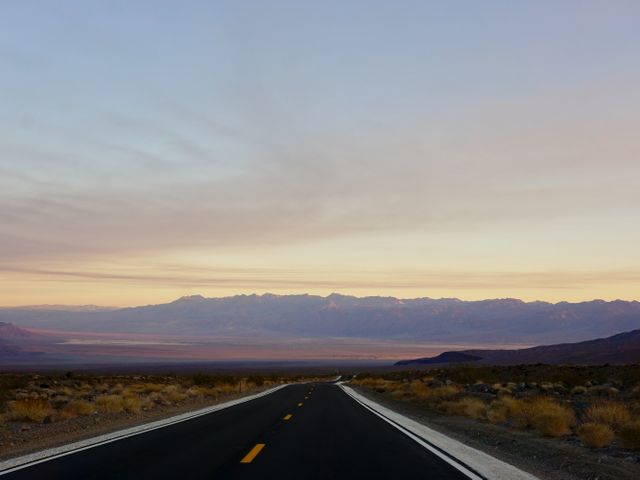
[
  {"x": 623, "y": 348},
  {"x": 423, "y": 319}
]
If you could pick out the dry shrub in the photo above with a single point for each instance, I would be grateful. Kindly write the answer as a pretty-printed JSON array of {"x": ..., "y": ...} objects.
[
  {"x": 629, "y": 435},
  {"x": 420, "y": 390},
  {"x": 227, "y": 388},
  {"x": 173, "y": 394},
  {"x": 445, "y": 392},
  {"x": 595, "y": 435},
  {"x": 78, "y": 408},
  {"x": 608, "y": 413},
  {"x": 512, "y": 408},
  {"x": 194, "y": 392},
  {"x": 131, "y": 404},
  {"x": 110, "y": 403},
  {"x": 30, "y": 409},
  {"x": 209, "y": 392},
  {"x": 152, "y": 387},
  {"x": 468, "y": 407},
  {"x": 579, "y": 390},
  {"x": 549, "y": 418},
  {"x": 497, "y": 411}
]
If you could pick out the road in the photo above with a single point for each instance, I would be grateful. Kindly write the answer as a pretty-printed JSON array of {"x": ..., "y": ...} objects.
[{"x": 313, "y": 431}]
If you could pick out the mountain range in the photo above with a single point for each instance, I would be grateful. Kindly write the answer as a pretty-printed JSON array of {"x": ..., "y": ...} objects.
[{"x": 424, "y": 319}]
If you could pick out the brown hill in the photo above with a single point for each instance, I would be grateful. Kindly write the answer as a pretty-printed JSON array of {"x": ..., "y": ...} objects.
[{"x": 623, "y": 348}]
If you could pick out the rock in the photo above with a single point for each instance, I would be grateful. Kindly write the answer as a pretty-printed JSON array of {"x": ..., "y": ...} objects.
[{"x": 47, "y": 420}]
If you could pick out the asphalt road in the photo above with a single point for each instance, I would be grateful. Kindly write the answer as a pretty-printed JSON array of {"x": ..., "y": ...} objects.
[{"x": 298, "y": 432}]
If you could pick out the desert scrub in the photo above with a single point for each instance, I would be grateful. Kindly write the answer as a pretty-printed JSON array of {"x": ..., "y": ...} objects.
[
  {"x": 445, "y": 392},
  {"x": 30, "y": 409},
  {"x": 550, "y": 419},
  {"x": 629, "y": 435},
  {"x": 613, "y": 414},
  {"x": 79, "y": 408},
  {"x": 468, "y": 407},
  {"x": 419, "y": 390},
  {"x": 173, "y": 394},
  {"x": 109, "y": 404},
  {"x": 595, "y": 435},
  {"x": 498, "y": 411},
  {"x": 578, "y": 390}
]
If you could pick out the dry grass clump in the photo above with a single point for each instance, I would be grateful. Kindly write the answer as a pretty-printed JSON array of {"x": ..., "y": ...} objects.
[
  {"x": 629, "y": 435},
  {"x": 131, "y": 404},
  {"x": 109, "y": 404},
  {"x": 549, "y": 418},
  {"x": 499, "y": 410},
  {"x": 173, "y": 394},
  {"x": 595, "y": 435},
  {"x": 468, "y": 407},
  {"x": 578, "y": 390},
  {"x": 419, "y": 390},
  {"x": 30, "y": 409},
  {"x": 78, "y": 408},
  {"x": 445, "y": 392},
  {"x": 612, "y": 414}
]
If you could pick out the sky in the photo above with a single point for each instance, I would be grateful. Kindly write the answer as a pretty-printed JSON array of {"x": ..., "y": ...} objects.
[{"x": 155, "y": 149}]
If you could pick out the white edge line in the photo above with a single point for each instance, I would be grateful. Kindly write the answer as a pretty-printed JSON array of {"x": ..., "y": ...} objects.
[
  {"x": 18, "y": 463},
  {"x": 419, "y": 440},
  {"x": 484, "y": 464}
]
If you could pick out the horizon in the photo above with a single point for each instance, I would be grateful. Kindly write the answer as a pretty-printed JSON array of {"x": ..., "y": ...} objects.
[{"x": 360, "y": 297}]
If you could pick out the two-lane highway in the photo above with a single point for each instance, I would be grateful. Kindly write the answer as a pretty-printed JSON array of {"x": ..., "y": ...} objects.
[{"x": 301, "y": 431}]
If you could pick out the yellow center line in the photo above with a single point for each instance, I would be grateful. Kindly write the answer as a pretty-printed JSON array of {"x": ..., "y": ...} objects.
[
  {"x": 248, "y": 458},
  {"x": 300, "y": 404},
  {"x": 288, "y": 416}
]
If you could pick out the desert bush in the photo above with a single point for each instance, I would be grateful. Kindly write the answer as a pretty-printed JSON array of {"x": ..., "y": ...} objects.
[
  {"x": 549, "y": 418},
  {"x": 109, "y": 403},
  {"x": 612, "y": 414},
  {"x": 30, "y": 409},
  {"x": 445, "y": 392},
  {"x": 131, "y": 404},
  {"x": 595, "y": 435},
  {"x": 497, "y": 411},
  {"x": 152, "y": 387},
  {"x": 629, "y": 435},
  {"x": 578, "y": 390},
  {"x": 173, "y": 394},
  {"x": 468, "y": 407},
  {"x": 420, "y": 390},
  {"x": 79, "y": 408}
]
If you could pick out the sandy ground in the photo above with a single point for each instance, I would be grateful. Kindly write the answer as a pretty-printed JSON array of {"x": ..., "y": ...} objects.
[{"x": 548, "y": 459}]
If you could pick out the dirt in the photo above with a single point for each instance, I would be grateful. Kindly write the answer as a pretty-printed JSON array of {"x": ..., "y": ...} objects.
[
  {"x": 21, "y": 438},
  {"x": 548, "y": 459}
]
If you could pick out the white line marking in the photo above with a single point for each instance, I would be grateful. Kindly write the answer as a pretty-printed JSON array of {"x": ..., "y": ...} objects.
[
  {"x": 26, "y": 461},
  {"x": 473, "y": 463}
]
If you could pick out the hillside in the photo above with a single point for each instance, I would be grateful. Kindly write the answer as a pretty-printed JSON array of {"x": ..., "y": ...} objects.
[{"x": 623, "y": 348}]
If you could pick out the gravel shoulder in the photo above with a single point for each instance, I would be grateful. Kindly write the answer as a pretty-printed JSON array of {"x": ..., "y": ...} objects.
[{"x": 548, "y": 459}]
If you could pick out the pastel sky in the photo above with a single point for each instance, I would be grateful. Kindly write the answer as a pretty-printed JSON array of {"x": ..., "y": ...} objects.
[{"x": 475, "y": 149}]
